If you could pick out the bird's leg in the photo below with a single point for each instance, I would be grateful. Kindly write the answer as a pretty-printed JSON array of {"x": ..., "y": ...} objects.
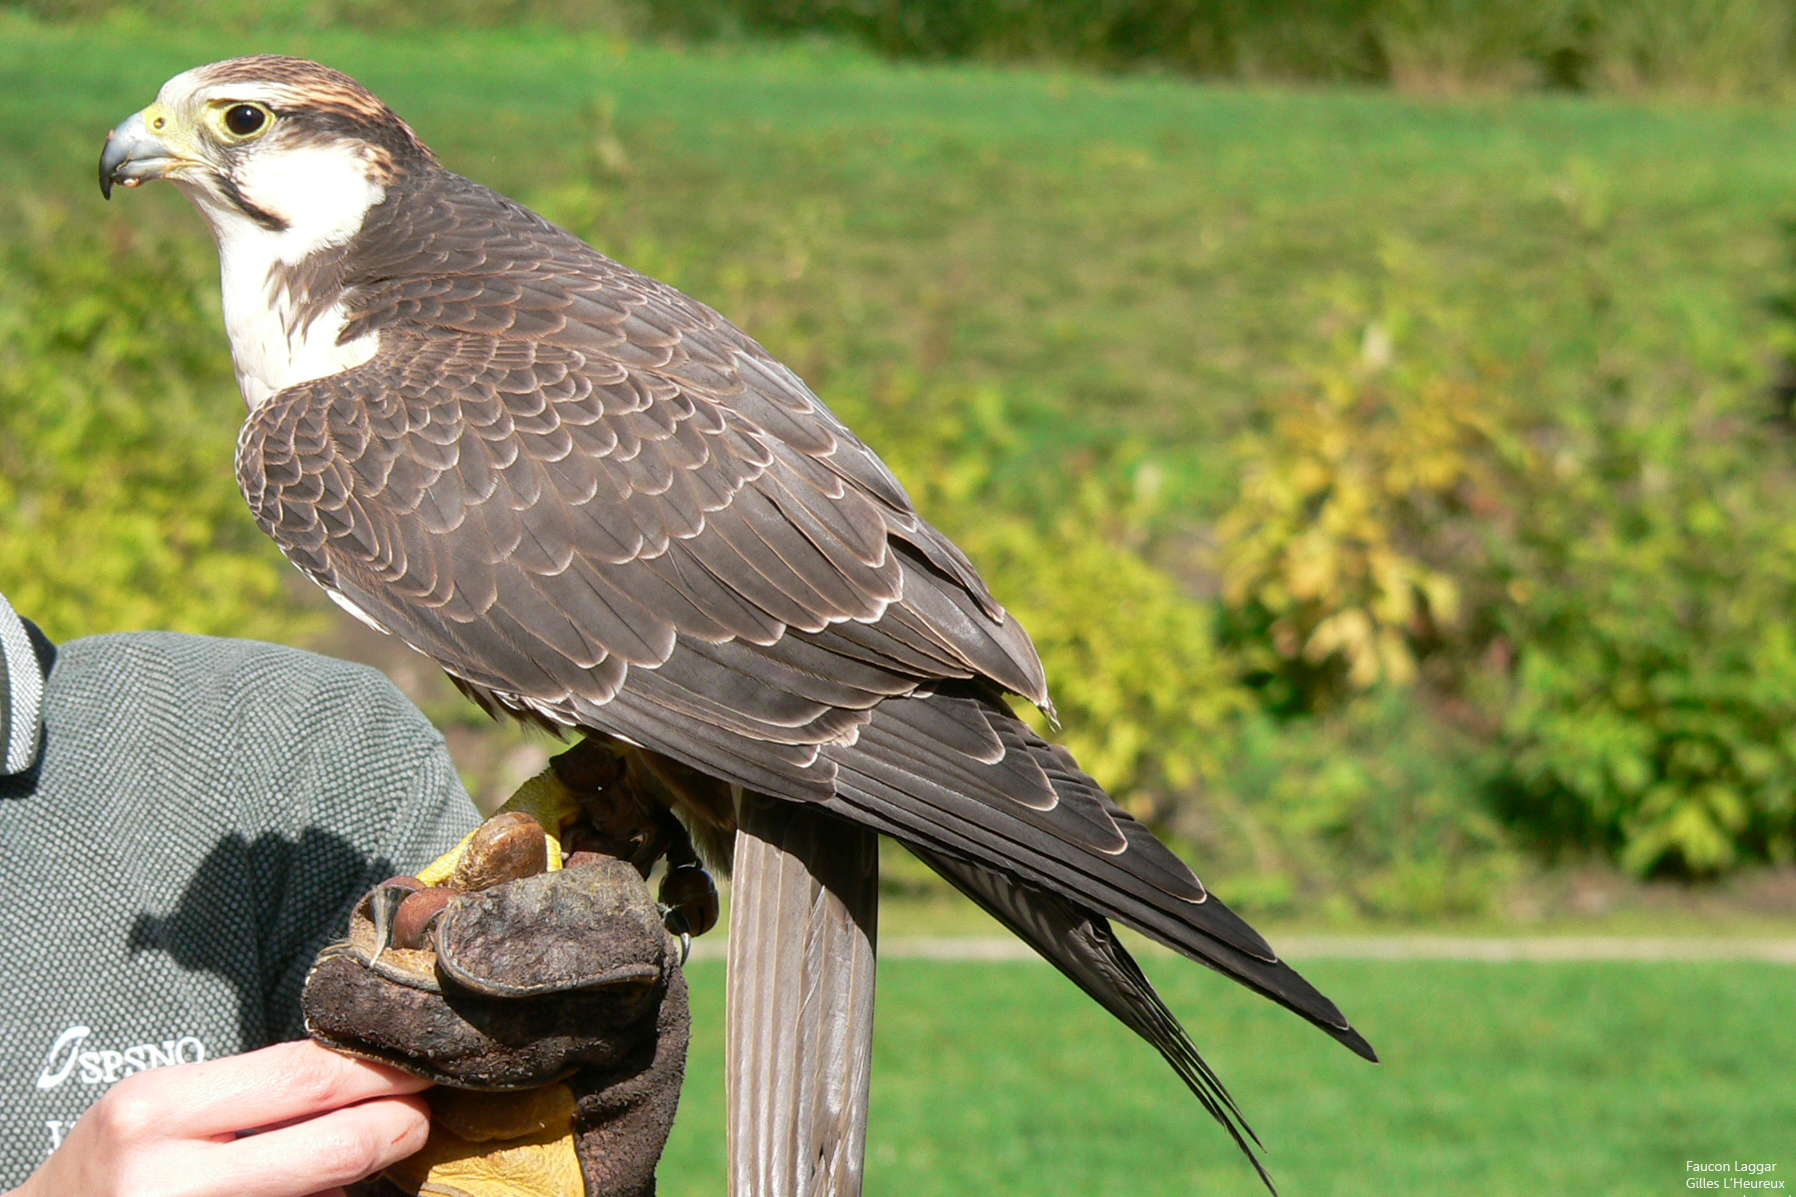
[
  {"x": 688, "y": 896},
  {"x": 560, "y": 798},
  {"x": 631, "y": 816},
  {"x": 619, "y": 815},
  {"x": 592, "y": 798}
]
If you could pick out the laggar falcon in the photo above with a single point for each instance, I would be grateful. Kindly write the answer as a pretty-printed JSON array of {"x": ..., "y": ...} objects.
[{"x": 602, "y": 507}]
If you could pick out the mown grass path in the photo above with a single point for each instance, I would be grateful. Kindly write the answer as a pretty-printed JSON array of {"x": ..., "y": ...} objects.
[
  {"x": 1519, "y": 1079},
  {"x": 1490, "y": 949}
]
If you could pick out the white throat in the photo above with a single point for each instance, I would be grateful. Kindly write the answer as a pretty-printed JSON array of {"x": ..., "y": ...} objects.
[{"x": 324, "y": 194}]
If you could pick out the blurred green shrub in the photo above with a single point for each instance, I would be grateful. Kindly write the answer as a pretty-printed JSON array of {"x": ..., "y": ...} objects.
[
  {"x": 1652, "y": 603},
  {"x": 1369, "y": 810},
  {"x": 1707, "y": 45},
  {"x": 118, "y": 420},
  {"x": 1605, "y": 593}
]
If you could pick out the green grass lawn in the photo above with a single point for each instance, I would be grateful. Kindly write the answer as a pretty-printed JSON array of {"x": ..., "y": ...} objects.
[
  {"x": 1497, "y": 1079},
  {"x": 1130, "y": 259}
]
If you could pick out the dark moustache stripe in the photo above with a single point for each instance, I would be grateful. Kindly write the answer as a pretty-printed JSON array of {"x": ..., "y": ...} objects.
[{"x": 262, "y": 216}]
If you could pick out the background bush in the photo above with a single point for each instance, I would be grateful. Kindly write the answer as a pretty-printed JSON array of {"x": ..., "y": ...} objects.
[
  {"x": 1651, "y": 707},
  {"x": 1708, "y": 45},
  {"x": 1391, "y": 485},
  {"x": 116, "y": 413},
  {"x": 1601, "y": 592}
]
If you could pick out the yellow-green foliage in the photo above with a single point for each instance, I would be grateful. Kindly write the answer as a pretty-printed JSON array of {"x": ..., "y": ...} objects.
[
  {"x": 118, "y": 416},
  {"x": 1342, "y": 501},
  {"x": 1370, "y": 808},
  {"x": 1364, "y": 810},
  {"x": 1606, "y": 594},
  {"x": 1142, "y": 693},
  {"x": 1346, "y": 564}
]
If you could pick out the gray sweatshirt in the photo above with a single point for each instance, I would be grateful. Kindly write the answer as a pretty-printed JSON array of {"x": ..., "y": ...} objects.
[{"x": 184, "y": 821}]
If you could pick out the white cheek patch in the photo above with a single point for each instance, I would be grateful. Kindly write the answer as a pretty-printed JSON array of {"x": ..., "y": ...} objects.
[{"x": 323, "y": 193}]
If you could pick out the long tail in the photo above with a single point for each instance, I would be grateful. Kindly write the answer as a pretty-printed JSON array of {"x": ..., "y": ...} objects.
[
  {"x": 956, "y": 774},
  {"x": 1081, "y": 945},
  {"x": 800, "y": 1001}
]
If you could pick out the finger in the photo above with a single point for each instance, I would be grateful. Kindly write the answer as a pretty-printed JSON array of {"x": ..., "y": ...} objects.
[
  {"x": 273, "y": 1085},
  {"x": 333, "y": 1149}
]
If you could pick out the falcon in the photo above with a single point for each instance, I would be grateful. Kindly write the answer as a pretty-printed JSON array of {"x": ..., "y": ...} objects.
[{"x": 603, "y": 508}]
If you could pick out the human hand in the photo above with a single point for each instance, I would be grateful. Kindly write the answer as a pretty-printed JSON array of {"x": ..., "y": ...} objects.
[{"x": 325, "y": 1121}]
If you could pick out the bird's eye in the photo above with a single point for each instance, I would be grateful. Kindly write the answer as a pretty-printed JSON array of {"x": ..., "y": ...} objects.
[{"x": 245, "y": 120}]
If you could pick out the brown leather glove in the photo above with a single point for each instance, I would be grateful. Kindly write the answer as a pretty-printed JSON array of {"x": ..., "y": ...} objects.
[{"x": 549, "y": 1007}]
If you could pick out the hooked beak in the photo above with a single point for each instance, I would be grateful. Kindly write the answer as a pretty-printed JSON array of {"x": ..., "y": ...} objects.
[{"x": 133, "y": 153}]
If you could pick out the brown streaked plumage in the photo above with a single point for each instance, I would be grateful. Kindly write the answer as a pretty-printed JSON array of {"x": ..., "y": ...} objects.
[{"x": 601, "y": 506}]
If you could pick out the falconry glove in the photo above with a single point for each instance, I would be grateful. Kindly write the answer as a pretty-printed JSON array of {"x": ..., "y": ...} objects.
[{"x": 547, "y": 1003}]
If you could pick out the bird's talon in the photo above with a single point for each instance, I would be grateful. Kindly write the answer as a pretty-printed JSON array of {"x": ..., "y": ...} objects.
[
  {"x": 674, "y": 919},
  {"x": 383, "y": 904},
  {"x": 688, "y": 889}
]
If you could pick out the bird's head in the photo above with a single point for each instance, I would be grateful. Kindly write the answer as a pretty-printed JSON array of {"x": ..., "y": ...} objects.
[{"x": 279, "y": 144}]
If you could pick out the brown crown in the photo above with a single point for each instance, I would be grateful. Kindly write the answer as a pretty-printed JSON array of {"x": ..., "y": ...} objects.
[{"x": 327, "y": 100}]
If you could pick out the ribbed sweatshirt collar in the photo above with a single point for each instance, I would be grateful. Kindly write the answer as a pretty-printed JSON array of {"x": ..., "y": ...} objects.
[{"x": 21, "y": 692}]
